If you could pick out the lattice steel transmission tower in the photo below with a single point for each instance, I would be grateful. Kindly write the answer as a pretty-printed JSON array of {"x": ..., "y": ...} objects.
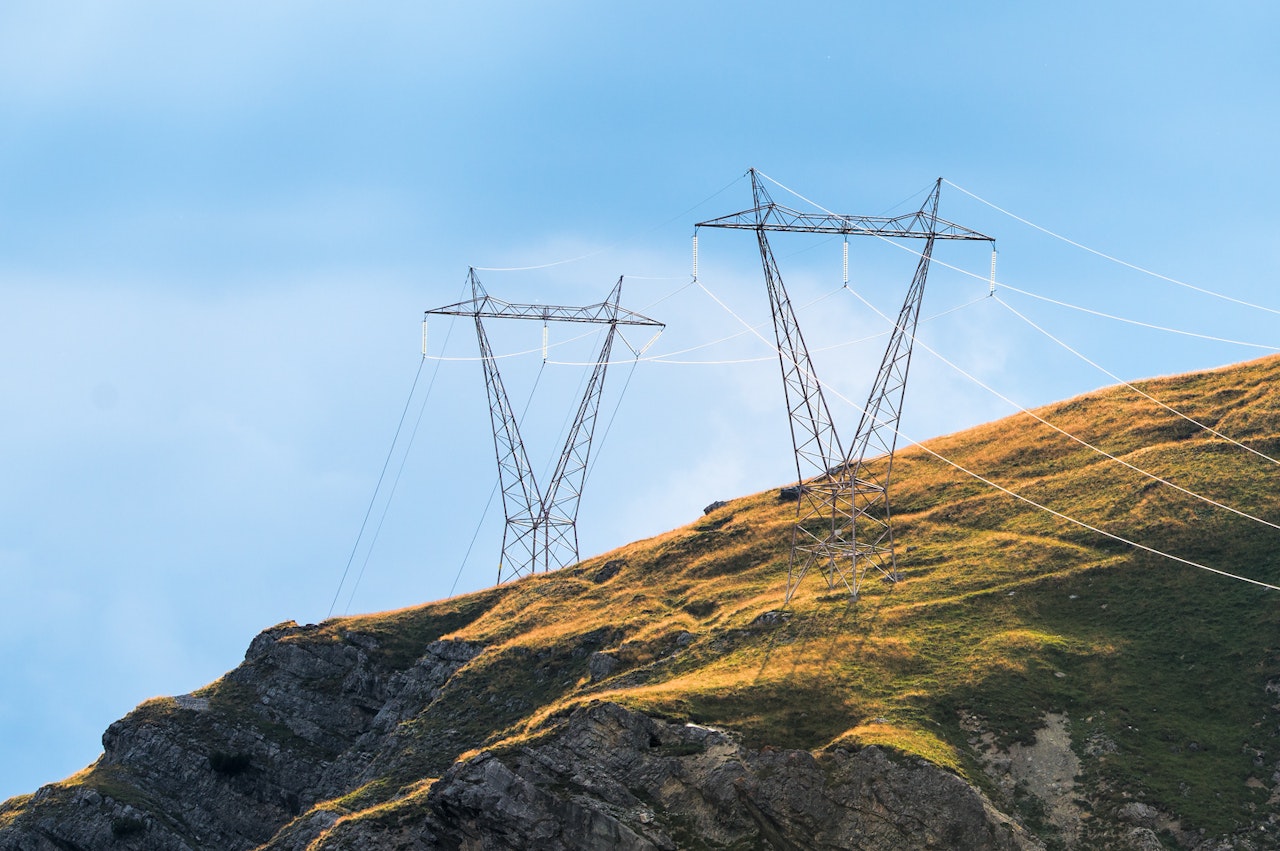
[
  {"x": 842, "y": 512},
  {"x": 541, "y": 525}
]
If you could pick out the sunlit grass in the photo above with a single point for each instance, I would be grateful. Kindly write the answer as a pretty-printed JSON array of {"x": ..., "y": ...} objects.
[
  {"x": 12, "y": 808},
  {"x": 1006, "y": 613}
]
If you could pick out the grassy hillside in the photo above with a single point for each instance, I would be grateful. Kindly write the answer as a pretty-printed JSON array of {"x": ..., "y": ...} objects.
[{"x": 1006, "y": 613}]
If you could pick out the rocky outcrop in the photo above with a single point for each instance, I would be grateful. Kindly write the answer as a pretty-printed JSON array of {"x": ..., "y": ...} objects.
[
  {"x": 612, "y": 778},
  {"x": 298, "y": 722},
  {"x": 264, "y": 758}
]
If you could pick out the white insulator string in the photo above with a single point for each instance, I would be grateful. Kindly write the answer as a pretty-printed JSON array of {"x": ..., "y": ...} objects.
[
  {"x": 568, "y": 340},
  {"x": 1135, "y": 322},
  {"x": 992, "y": 282},
  {"x": 544, "y": 347}
]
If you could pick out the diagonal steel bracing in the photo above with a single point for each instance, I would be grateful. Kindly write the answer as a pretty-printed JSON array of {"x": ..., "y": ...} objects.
[
  {"x": 842, "y": 522},
  {"x": 541, "y": 525}
]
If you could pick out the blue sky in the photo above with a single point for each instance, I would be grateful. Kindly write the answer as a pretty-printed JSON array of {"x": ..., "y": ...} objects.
[{"x": 220, "y": 225}]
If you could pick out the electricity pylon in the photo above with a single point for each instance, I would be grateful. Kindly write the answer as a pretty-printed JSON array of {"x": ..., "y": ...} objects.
[
  {"x": 541, "y": 525},
  {"x": 842, "y": 513}
]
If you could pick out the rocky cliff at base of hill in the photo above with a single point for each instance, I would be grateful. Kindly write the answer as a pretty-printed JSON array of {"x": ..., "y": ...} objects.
[
  {"x": 263, "y": 758},
  {"x": 611, "y": 778}
]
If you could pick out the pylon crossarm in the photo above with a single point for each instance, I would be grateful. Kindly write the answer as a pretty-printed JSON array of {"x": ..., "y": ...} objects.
[
  {"x": 775, "y": 217},
  {"x": 768, "y": 215},
  {"x": 541, "y": 528},
  {"x": 487, "y": 307},
  {"x": 849, "y": 501}
]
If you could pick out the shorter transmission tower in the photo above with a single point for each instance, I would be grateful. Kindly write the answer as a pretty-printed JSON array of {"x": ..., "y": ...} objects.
[
  {"x": 541, "y": 524},
  {"x": 842, "y": 511}
]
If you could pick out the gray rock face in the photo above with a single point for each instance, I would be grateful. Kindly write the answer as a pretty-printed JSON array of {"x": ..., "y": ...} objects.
[
  {"x": 307, "y": 719},
  {"x": 298, "y": 722},
  {"x": 601, "y": 665},
  {"x": 612, "y": 778}
]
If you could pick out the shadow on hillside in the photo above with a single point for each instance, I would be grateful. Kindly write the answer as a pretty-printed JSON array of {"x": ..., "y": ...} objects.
[{"x": 828, "y": 622}]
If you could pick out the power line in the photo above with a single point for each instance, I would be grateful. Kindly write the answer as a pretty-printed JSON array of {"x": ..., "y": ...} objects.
[
  {"x": 368, "y": 511},
  {"x": 668, "y": 357},
  {"x": 474, "y": 536},
  {"x": 1005, "y": 285},
  {"x": 604, "y": 438},
  {"x": 395, "y": 483},
  {"x": 1210, "y": 429},
  {"x": 1105, "y": 256},
  {"x": 961, "y": 468},
  {"x": 842, "y": 520},
  {"x": 541, "y": 523},
  {"x": 1090, "y": 527},
  {"x": 1139, "y": 323},
  {"x": 1073, "y": 437}
]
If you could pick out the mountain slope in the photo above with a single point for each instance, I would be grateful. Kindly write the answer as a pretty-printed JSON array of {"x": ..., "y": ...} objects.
[{"x": 1092, "y": 693}]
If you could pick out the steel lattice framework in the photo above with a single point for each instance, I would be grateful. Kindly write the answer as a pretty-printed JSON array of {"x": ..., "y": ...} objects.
[
  {"x": 541, "y": 525},
  {"x": 842, "y": 511}
]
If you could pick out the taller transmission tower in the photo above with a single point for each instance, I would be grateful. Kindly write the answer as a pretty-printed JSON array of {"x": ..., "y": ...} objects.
[
  {"x": 842, "y": 513},
  {"x": 541, "y": 524}
]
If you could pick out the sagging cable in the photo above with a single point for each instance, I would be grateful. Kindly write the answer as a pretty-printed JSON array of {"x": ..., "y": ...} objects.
[{"x": 1027, "y": 500}]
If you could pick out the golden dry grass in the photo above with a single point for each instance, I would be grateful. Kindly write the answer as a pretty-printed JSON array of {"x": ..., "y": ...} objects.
[{"x": 1006, "y": 612}]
